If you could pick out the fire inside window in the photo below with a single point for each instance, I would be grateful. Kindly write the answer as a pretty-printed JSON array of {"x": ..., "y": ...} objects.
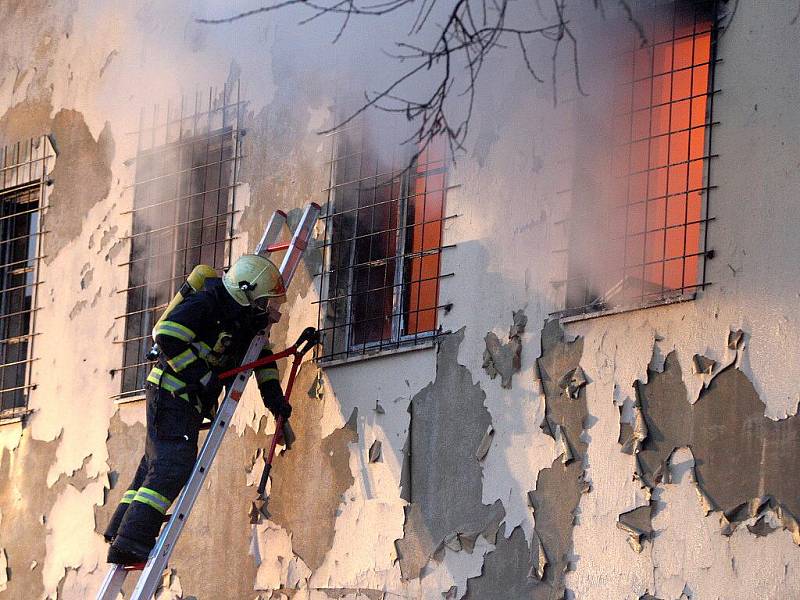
[
  {"x": 23, "y": 170},
  {"x": 653, "y": 246},
  {"x": 383, "y": 244},
  {"x": 182, "y": 216}
]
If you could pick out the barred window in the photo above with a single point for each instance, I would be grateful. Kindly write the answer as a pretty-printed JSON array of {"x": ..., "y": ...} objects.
[
  {"x": 652, "y": 247},
  {"x": 24, "y": 167},
  {"x": 183, "y": 206},
  {"x": 379, "y": 286}
]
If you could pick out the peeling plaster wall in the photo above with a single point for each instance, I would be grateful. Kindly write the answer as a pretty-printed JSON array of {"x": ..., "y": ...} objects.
[
  {"x": 501, "y": 470},
  {"x": 443, "y": 480}
]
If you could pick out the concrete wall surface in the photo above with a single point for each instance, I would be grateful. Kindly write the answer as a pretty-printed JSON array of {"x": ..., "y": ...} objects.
[{"x": 590, "y": 459}]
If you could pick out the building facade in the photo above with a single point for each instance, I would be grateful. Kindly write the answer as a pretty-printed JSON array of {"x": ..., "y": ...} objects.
[{"x": 557, "y": 362}]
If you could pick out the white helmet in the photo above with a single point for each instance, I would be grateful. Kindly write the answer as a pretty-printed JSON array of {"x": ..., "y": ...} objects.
[{"x": 254, "y": 280}]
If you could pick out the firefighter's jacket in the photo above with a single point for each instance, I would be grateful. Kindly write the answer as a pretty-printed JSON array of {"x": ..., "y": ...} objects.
[{"x": 206, "y": 334}]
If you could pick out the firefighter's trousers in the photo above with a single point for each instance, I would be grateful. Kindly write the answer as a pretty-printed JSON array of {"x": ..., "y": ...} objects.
[{"x": 169, "y": 456}]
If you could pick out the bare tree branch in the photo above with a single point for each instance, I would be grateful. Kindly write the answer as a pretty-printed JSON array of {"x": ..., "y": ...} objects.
[
  {"x": 626, "y": 7},
  {"x": 472, "y": 31},
  {"x": 250, "y": 13},
  {"x": 343, "y": 7}
]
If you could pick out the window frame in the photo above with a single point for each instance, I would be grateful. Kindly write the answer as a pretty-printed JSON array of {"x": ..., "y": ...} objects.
[
  {"x": 330, "y": 354},
  {"x": 687, "y": 291},
  {"x": 216, "y": 125},
  {"x": 25, "y": 167}
]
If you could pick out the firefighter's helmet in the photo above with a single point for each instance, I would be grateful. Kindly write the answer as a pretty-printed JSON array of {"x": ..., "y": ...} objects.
[{"x": 254, "y": 280}]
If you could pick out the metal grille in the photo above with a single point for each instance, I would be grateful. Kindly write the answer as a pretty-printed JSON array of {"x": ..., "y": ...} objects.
[
  {"x": 183, "y": 205},
  {"x": 23, "y": 183},
  {"x": 651, "y": 245},
  {"x": 379, "y": 285}
]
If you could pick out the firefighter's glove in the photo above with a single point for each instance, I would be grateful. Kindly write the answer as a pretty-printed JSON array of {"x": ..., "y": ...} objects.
[{"x": 274, "y": 400}]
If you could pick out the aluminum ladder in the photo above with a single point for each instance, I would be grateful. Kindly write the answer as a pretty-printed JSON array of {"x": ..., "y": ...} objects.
[{"x": 151, "y": 575}]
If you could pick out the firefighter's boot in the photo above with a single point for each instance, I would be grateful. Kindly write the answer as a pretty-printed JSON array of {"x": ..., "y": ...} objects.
[{"x": 121, "y": 557}]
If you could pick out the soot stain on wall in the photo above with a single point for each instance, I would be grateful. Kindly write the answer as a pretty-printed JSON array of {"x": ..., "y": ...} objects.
[
  {"x": 280, "y": 167},
  {"x": 81, "y": 174},
  {"x": 25, "y": 503},
  {"x": 82, "y": 177},
  {"x": 23, "y": 506}
]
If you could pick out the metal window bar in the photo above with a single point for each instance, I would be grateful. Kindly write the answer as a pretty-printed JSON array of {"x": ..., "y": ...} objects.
[
  {"x": 673, "y": 70},
  {"x": 365, "y": 304},
  {"x": 173, "y": 200},
  {"x": 369, "y": 349},
  {"x": 644, "y": 267},
  {"x": 381, "y": 288},
  {"x": 184, "y": 195},
  {"x": 194, "y": 167},
  {"x": 404, "y": 255},
  {"x": 668, "y": 134},
  {"x": 629, "y": 113},
  {"x": 703, "y": 189},
  {"x": 193, "y": 247},
  {"x": 197, "y": 117},
  {"x": 187, "y": 141},
  {"x": 181, "y": 224},
  {"x": 402, "y": 228},
  {"x": 402, "y": 196},
  {"x": 24, "y": 170}
]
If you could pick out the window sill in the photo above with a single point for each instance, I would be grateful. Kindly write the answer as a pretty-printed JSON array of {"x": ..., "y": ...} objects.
[
  {"x": 16, "y": 417},
  {"x": 129, "y": 399},
  {"x": 625, "y": 309},
  {"x": 377, "y": 353},
  {"x": 11, "y": 420}
]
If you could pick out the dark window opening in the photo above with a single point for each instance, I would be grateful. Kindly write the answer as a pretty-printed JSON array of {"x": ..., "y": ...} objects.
[
  {"x": 23, "y": 168},
  {"x": 183, "y": 208},
  {"x": 648, "y": 244},
  {"x": 383, "y": 242}
]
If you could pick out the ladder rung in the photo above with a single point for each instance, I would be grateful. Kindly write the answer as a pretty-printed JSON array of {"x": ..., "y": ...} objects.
[
  {"x": 135, "y": 567},
  {"x": 278, "y": 246},
  {"x": 272, "y": 232}
]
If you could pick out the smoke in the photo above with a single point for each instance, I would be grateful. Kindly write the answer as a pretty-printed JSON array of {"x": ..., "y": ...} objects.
[
  {"x": 636, "y": 229},
  {"x": 331, "y": 66}
]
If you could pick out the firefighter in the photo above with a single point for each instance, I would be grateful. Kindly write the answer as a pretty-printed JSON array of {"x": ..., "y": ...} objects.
[{"x": 205, "y": 334}]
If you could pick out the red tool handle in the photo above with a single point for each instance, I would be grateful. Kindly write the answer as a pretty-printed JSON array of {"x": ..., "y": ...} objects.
[
  {"x": 262, "y": 486},
  {"x": 307, "y": 340},
  {"x": 258, "y": 363}
]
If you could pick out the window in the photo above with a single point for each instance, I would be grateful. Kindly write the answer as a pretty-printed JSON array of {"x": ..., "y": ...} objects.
[
  {"x": 182, "y": 216},
  {"x": 23, "y": 183},
  {"x": 652, "y": 246},
  {"x": 383, "y": 242}
]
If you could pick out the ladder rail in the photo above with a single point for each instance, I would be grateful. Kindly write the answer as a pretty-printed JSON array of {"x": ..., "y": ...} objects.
[
  {"x": 112, "y": 583},
  {"x": 159, "y": 557},
  {"x": 300, "y": 240},
  {"x": 272, "y": 232}
]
